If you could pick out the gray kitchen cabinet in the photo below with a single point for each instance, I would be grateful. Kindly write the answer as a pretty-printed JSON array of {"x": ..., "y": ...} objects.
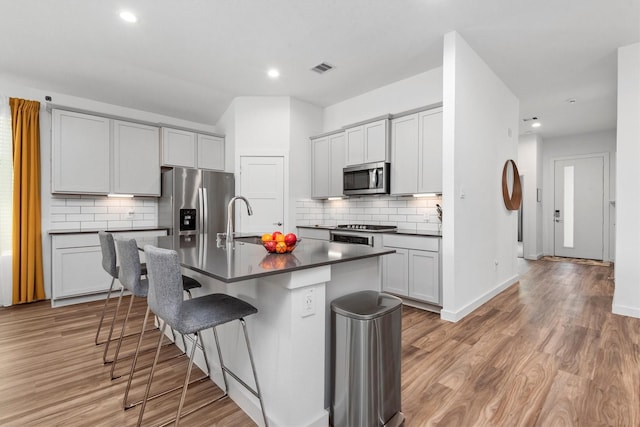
[
  {"x": 98, "y": 155},
  {"x": 80, "y": 153},
  {"x": 327, "y": 161},
  {"x": 414, "y": 270},
  {"x": 136, "y": 159},
  {"x": 76, "y": 269},
  {"x": 367, "y": 143},
  {"x": 210, "y": 152},
  {"x": 188, "y": 149},
  {"x": 416, "y": 153}
]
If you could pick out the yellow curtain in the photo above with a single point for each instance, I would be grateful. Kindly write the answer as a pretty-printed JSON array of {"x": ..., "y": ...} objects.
[{"x": 28, "y": 282}]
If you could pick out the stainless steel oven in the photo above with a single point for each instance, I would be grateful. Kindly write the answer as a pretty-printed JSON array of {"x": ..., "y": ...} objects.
[
  {"x": 361, "y": 234},
  {"x": 355, "y": 237}
]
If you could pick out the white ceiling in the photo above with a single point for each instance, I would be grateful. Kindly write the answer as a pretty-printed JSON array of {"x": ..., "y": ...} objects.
[{"x": 189, "y": 59}]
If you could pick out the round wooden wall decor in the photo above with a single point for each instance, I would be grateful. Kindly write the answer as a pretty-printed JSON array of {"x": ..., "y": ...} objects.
[{"x": 513, "y": 198}]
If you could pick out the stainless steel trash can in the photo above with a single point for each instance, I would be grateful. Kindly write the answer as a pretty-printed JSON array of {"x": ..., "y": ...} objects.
[{"x": 366, "y": 360}]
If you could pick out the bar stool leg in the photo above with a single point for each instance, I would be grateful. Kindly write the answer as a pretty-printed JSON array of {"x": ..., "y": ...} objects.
[
  {"x": 224, "y": 372},
  {"x": 186, "y": 382},
  {"x": 113, "y": 322},
  {"x": 125, "y": 404},
  {"x": 153, "y": 368},
  {"x": 124, "y": 326},
  {"x": 253, "y": 368},
  {"x": 104, "y": 310}
]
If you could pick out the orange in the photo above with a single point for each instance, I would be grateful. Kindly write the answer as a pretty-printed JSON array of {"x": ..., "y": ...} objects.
[
  {"x": 281, "y": 247},
  {"x": 279, "y": 238},
  {"x": 266, "y": 237}
]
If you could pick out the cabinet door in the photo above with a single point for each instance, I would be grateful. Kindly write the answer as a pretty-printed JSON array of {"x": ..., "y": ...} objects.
[
  {"x": 320, "y": 167},
  {"x": 136, "y": 155},
  {"x": 178, "y": 148},
  {"x": 210, "y": 152},
  {"x": 424, "y": 277},
  {"x": 354, "y": 146},
  {"x": 404, "y": 155},
  {"x": 336, "y": 164},
  {"x": 78, "y": 271},
  {"x": 375, "y": 141},
  {"x": 430, "y": 178},
  {"x": 395, "y": 268},
  {"x": 80, "y": 153}
]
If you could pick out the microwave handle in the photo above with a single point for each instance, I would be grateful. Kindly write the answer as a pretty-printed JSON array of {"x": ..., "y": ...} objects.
[{"x": 373, "y": 178}]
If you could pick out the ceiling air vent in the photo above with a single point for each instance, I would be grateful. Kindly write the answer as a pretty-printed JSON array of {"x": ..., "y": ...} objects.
[{"x": 322, "y": 68}]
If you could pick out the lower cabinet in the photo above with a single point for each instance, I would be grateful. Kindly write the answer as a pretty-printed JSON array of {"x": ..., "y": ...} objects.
[
  {"x": 413, "y": 271},
  {"x": 77, "y": 273},
  {"x": 314, "y": 233}
]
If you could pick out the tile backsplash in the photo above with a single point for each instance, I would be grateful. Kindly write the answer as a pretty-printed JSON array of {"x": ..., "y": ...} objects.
[
  {"x": 82, "y": 212},
  {"x": 408, "y": 213}
]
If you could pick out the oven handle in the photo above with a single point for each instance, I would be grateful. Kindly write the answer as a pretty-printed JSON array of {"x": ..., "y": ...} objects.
[{"x": 367, "y": 239}]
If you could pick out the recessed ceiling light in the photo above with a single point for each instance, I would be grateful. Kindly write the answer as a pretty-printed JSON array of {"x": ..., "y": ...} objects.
[
  {"x": 536, "y": 125},
  {"x": 273, "y": 73},
  {"x": 128, "y": 16}
]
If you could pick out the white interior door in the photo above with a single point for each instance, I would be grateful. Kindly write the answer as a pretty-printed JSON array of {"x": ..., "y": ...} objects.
[
  {"x": 262, "y": 183},
  {"x": 579, "y": 208}
]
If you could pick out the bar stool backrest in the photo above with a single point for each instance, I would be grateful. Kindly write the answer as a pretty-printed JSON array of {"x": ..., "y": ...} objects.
[
  {"x": 108, "y": 253},
  {"x": 130, "y": 268},
  {"x": 165, "y": 283}
]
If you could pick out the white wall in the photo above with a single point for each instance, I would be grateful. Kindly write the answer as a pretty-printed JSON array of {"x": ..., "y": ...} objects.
[
  {"x": 568, "y": 146},
  {"x": 626, "y": 297},
  {"x": 262, "y": 123},
  {"x": 480, "y": 125},
  {"x": 418, "y": 91},
  {"x": 530, "y": 167},
  {"x": 227, "y": 127}
]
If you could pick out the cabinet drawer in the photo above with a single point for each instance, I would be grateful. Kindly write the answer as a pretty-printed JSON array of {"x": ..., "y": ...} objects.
[
  {"x": 75, "y": 240},
  {"x": 421, "y": 243}
]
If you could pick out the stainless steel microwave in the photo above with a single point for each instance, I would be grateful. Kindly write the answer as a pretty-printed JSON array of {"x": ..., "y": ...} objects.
[{"x": 369, "y": 178}]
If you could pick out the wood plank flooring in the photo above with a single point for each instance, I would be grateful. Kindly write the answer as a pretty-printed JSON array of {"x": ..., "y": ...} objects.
[{"x": 545, "y": 352}]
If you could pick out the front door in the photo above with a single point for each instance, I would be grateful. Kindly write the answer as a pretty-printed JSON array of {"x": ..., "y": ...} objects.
[
  {"x": 262, "y": 183},
  {"x": 579, "y": 207}
]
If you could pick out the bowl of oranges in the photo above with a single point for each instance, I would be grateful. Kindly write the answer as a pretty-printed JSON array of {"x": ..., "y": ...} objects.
[{"x": 279, "y": 243}]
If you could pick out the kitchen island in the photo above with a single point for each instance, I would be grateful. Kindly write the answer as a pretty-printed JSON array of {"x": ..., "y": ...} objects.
[{"x": 290, "y": 334}]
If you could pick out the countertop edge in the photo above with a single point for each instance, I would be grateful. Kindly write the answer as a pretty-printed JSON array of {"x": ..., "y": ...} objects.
[{"x": 110, "y": 230}]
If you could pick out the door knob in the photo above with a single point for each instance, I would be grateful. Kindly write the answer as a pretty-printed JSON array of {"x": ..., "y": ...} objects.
[{"x": 279, "y": 224}]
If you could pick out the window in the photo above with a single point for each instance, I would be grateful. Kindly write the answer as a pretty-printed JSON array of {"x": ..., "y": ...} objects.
[{"x": 6, "y": 177}]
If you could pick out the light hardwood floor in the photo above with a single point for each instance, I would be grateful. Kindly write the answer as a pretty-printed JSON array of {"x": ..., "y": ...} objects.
[{"x": 546, "y": 352}]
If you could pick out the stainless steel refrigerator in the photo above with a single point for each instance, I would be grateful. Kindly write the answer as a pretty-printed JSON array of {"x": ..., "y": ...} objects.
[{"x": 194, "y": 201}]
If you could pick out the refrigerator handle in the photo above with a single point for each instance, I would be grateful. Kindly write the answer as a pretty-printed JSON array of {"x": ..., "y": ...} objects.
[
  {"x": 205, "y": 203},
  {"x": 201, "y": 212}
]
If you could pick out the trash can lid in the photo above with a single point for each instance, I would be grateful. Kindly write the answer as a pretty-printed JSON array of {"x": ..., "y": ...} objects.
[{"x": 365, "y": 305}]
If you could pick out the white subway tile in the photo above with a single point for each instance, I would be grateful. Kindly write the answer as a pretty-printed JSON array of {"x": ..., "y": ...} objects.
[
  {"x": 58, "y": 218},
  {"x": 107, "y": 217},
  {"x": 80, "y": 202},
  {"x": 388, "y": 211},
  {"x": 397, "y": 203},
  {"x": 150, "y": 217},
  {"x": 80, "y": 217},
  {"x": 93, "y": 209},
  {"x": 406, "y": 211},
  {"x": 58, "y": 202},
  {"x": 144, "y": 223},
  {"x": 118, "y": 209},
  {"x": 93, "y": 224},
  {"x": 417, "y": 203},
  {"x": 65, "y": 209},
  {"x": 380, "y": 218},
  {"x": 356, "y": 211},
  {"x": 398, "y": 218},
  {"x": 65, "y": 226},
  {"x": 120, "y": 224}
]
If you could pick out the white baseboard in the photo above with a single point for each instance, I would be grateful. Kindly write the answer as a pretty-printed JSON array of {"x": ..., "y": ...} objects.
[
  {"x": 624, "y": 310},
  {"x": 455, "y": 316}
]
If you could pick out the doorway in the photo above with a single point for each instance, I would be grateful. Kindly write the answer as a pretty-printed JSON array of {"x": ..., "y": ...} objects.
[
  {"x": 579, "y": 207},
  {"x": 262, "y": 183}
]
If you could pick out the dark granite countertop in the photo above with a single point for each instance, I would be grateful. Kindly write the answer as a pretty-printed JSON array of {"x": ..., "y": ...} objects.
[
  {"x": 111, "y": 230},
  {"x": 249, "y": 261}
]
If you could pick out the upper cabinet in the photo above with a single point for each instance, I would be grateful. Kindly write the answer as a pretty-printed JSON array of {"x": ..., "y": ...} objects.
[
  {"x": 136, "y": 159},
  {"x": 367, "y": 143},
  {"x": 192, "y": 150},
  {"x": 416, "y": 153},
  {"x": 97, "y": 155},
  {"x": 327, "y": 161}
]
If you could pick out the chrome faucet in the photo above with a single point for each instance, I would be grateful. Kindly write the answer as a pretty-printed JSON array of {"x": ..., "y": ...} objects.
[{"x": 230, "y": 224}]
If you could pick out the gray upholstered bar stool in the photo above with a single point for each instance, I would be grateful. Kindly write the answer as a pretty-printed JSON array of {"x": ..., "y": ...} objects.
[
  {"x": 130, "y": 279},
  {"x": 190, "y": 317},
  {"x": 109, "y": 265}
]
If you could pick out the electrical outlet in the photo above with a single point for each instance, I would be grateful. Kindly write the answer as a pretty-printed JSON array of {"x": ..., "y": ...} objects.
[{"x": 308, "y": 303}]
